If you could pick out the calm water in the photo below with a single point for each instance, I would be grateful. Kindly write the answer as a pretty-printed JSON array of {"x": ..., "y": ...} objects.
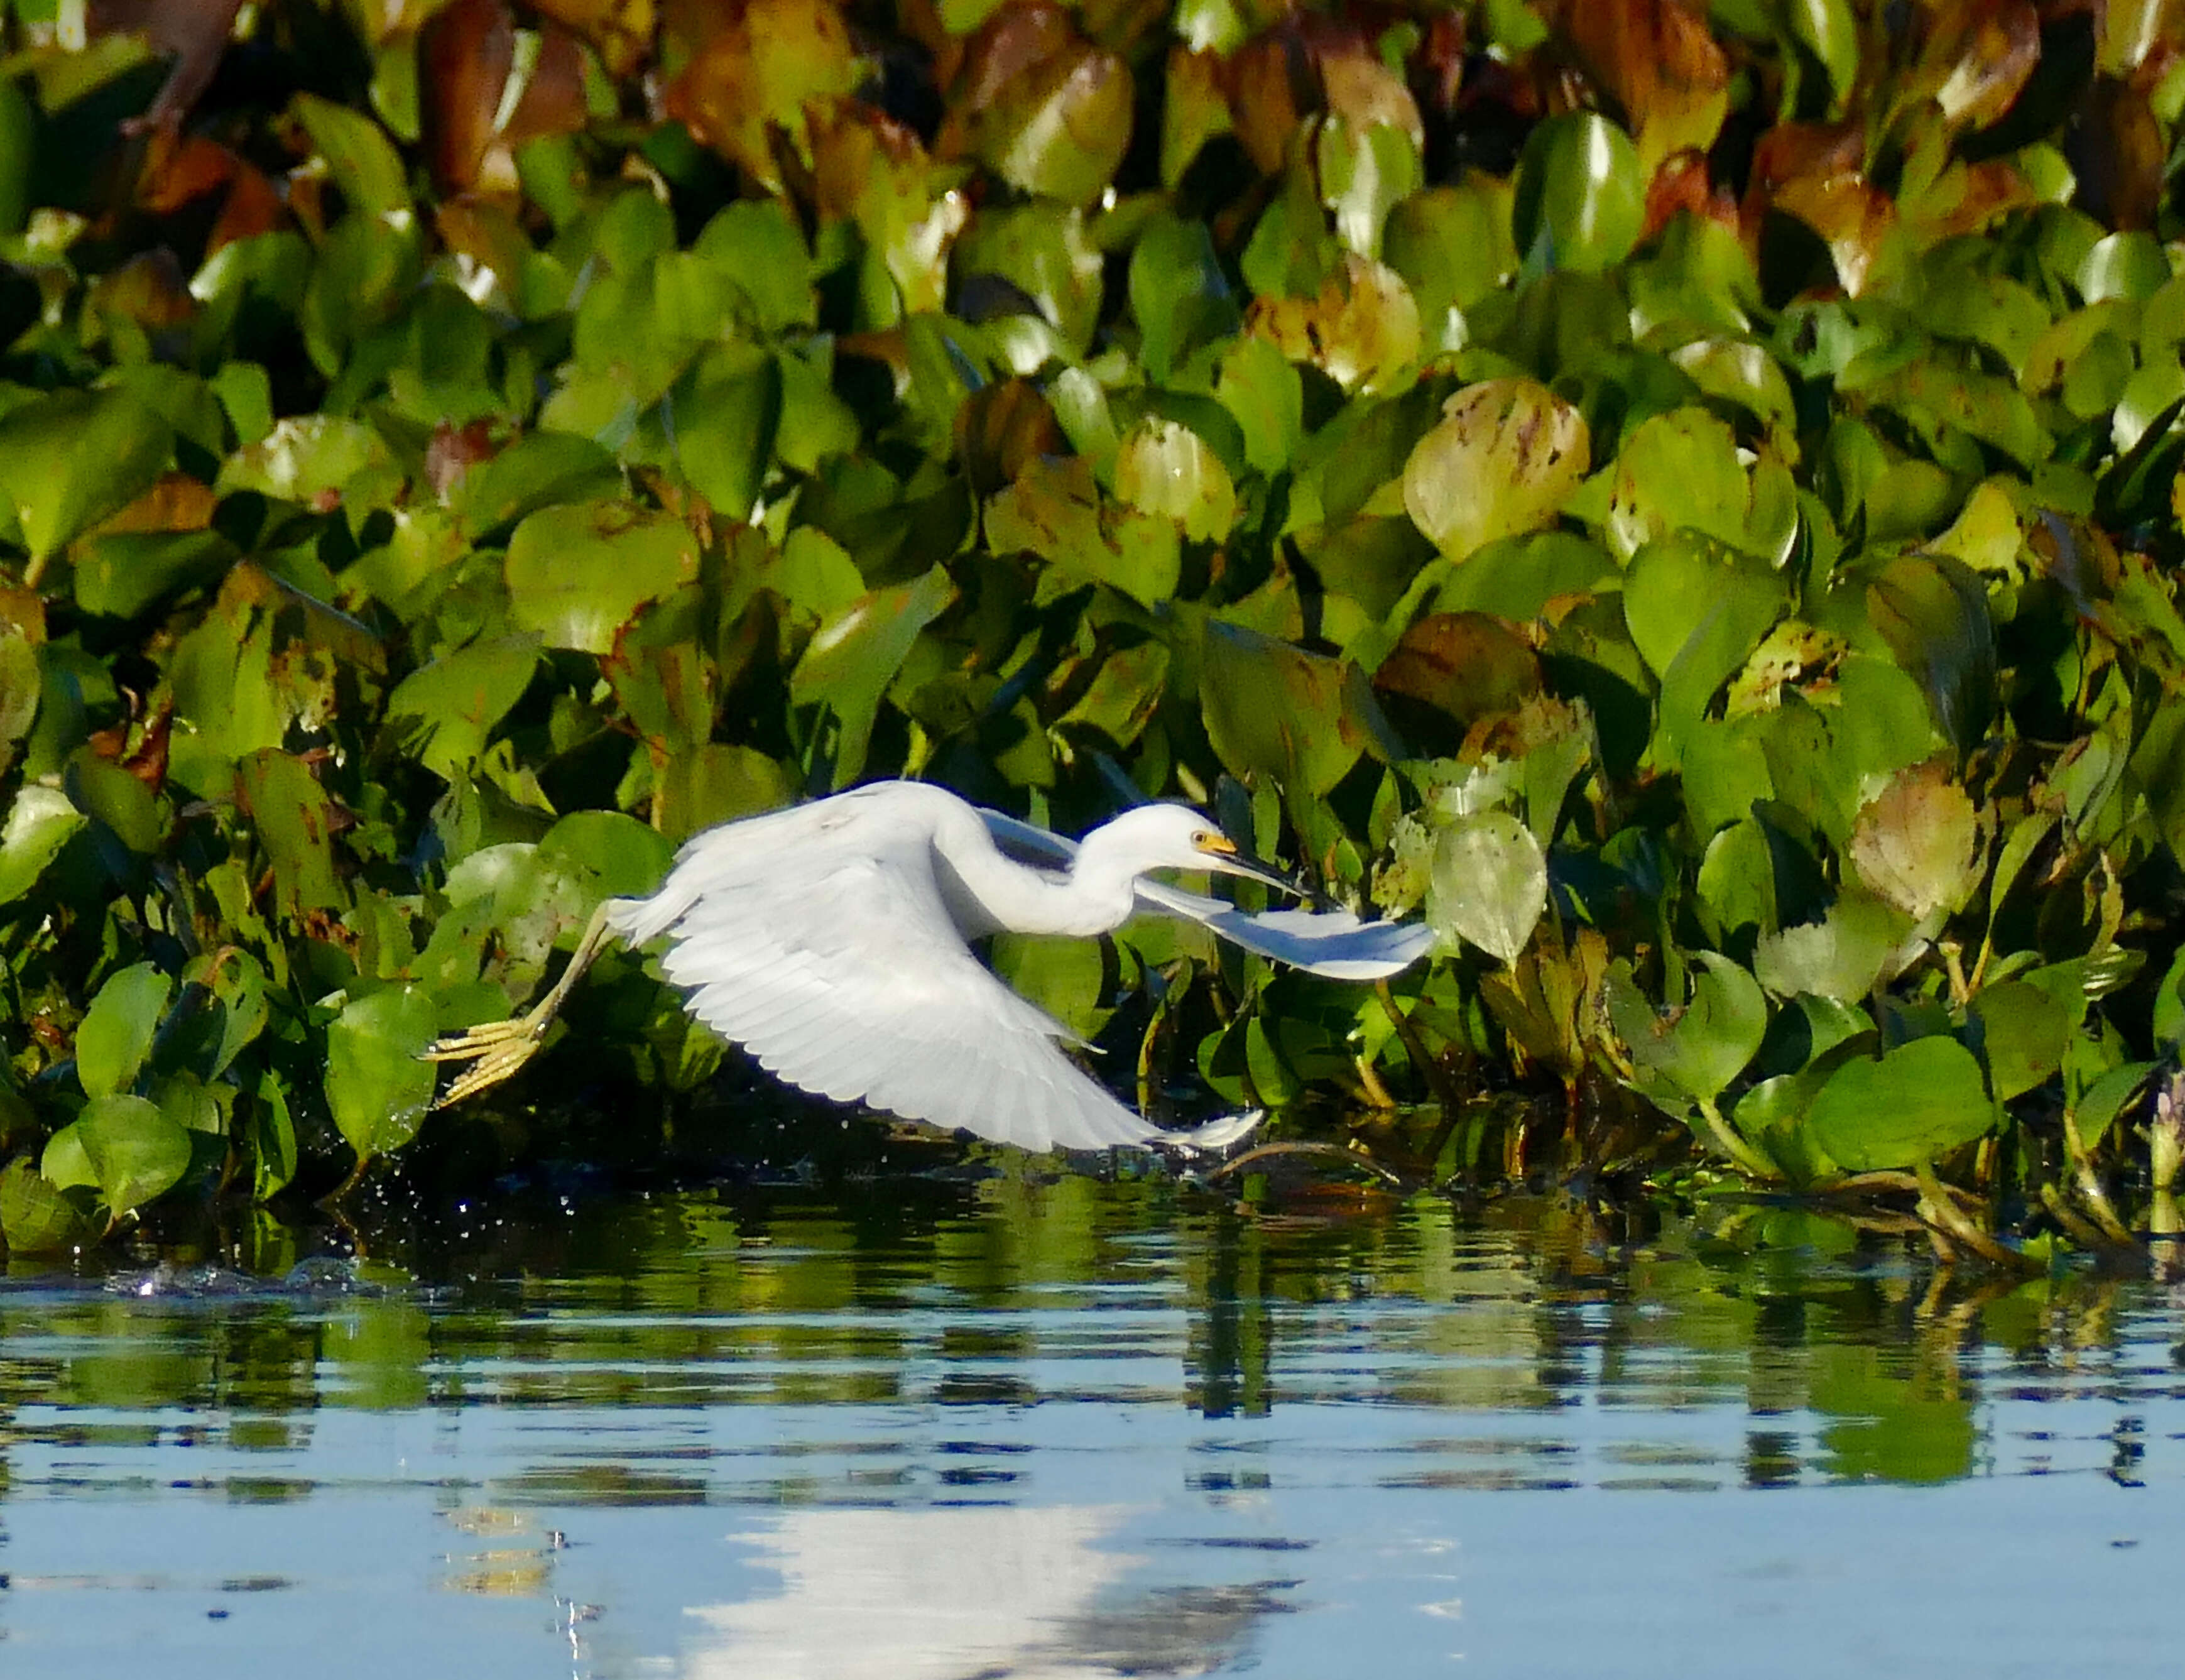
[{"x": 1015, "y": 1427}]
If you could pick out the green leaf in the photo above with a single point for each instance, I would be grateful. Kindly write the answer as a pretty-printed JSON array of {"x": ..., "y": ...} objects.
[
  {"x": 1281, "y": 715},
  {"x": 69, "y": 459},
  {"x": 358, "y": 156},
  {"x": 723, "y": 412},
  {"x": 577, "y": 575},
  {"x": 1918, "y": 1102},
  {"x": 1167, "y": 469},
  {"x": 1178, "y": 293},
  {"x": 2023, "y": 1033},
  {"x": 377, "y": 1086},
  {"x": 1581, "y": 194},
  {"x": 446, "y": 710},
  {"x": 41, "y": 821},
  {"x": 35, "y": 1217},
  {"x": 855, "y": 655},
  {"x": 116, "y": 1034},
  {"x": 627, "y": 859},
  {"x": 1702, "y": 1047},
  {"x": 1488, "y": 884},
  {"x": 758, "y": 247},
  {"x": 18, "y": 157},
  {"x": 1918, "y": 844},
  {"x": 123, "y": 1147},
  {"x": 1839, "y": 957},
  {"x": 294, "y": 819},
  {"x": 1066, "y": 977},
  {"x": 1933, "y": 612}
]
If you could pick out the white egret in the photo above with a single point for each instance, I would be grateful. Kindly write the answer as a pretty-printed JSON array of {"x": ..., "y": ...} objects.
[{"x": 832, "y": 941}]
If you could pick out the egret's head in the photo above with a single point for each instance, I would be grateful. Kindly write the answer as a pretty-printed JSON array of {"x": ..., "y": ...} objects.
[{"x": 1176, "y": 837}]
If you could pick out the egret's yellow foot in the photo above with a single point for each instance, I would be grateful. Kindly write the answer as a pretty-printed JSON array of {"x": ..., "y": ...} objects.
[{"x": 497, "y": 1048}]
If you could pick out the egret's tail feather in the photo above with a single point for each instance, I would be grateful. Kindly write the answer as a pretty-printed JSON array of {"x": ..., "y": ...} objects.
[{"x": 1225, "y": 1133}]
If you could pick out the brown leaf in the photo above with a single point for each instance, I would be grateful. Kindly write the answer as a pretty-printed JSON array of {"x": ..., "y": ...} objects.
[
  {"x": 1978, "y": 57},
  {"x": 1918, "y": 843},
  {"x": 464, "y": 57},
  {"x": 1658, "y": 60},
  {"x": 757, "y": 76},
  {"x": 177, "y": 502},
  {"x": 1362, "y": 331},
  {"x": 193, "y": 32},
  {"x": 1001, "y": 429},
  {"x": 2118, "y": 150},
  {"x": 621, "y": 30},
  {"x": 553, "y": 101},
  {"x": 1466, "y": 666},
  {"x": 1271, "y": 88},
  {"x": 1683, "y": 185}
]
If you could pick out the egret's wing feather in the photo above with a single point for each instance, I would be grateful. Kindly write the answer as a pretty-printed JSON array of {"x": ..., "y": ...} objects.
[
  {"x": 1330, "y": 942},
  {"x": 1026, "y": 839},
  {"x": 831, "y": 956}
]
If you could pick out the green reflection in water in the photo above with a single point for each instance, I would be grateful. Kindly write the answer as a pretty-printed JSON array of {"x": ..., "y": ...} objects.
[{"x": 1021, "y": 1289}]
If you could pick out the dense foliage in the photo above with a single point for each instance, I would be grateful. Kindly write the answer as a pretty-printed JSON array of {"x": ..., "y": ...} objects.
[{"x": 1688, "y": 497}]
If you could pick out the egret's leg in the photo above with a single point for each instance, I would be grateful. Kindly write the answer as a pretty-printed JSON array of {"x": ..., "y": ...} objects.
[{"x": 498, "y": 1048}]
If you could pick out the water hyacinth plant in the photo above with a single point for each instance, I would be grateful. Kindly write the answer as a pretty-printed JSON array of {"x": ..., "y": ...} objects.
[{"x": 1687, "y": 499}]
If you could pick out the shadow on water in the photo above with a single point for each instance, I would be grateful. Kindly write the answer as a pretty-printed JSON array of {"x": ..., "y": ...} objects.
[{"x": 985, "y": 1420}]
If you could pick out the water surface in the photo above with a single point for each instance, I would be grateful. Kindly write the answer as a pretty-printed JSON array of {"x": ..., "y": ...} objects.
[{"x": 1016, "y": 1426}]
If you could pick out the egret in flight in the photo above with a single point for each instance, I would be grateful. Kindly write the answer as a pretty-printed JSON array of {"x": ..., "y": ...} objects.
[{"x": 832, "y": 941}]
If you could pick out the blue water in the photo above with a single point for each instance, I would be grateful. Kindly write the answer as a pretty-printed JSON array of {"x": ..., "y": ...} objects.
[{"x": 1029, "y": 1428}]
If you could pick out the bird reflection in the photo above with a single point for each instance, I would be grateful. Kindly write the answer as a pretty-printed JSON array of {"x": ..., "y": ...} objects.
[{"x": 967, "y": 1593}]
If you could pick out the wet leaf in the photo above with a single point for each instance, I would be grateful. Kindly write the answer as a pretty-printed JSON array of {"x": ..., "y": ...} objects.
[
  {"x": 1488, "y": 884},
  {"x": 116, "y": 1034},
  {"x": 1918, "y": 1102},
  {"x": 1505, "y": 458},
  {"x": 376, "y": 1085}
]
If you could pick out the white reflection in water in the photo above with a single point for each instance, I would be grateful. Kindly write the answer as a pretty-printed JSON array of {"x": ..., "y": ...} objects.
[{"x": 954, "y": 1591}]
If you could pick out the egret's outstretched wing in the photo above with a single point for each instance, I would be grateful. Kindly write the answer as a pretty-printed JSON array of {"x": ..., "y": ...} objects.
[
  {"x": 1330, "y": 942},
  {"x": 827, "y": 951}
]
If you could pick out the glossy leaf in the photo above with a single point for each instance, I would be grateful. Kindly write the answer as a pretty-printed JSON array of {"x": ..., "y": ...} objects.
[{"x": 1505, "y": 457}]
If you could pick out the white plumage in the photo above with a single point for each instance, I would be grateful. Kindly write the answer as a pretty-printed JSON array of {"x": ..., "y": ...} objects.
[{"x": 832, "y": 941}]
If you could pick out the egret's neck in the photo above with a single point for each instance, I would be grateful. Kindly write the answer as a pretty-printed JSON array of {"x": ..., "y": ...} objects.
[{"x": 988, "y": 893}]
